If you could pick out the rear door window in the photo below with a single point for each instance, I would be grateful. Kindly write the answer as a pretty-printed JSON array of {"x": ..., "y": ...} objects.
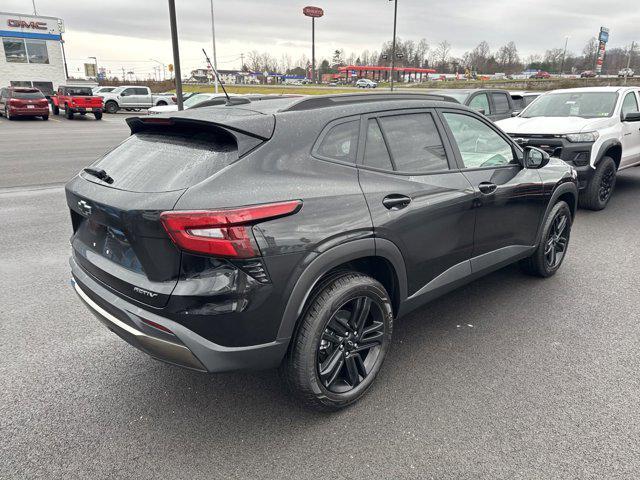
[
  {"x": 414, "y": 143},
  {"x": 376, "y": 154},
  {"x": 500, "y": 102},
  {"x": 155, "y": 162},
  {"x": 629, "y": 104}
]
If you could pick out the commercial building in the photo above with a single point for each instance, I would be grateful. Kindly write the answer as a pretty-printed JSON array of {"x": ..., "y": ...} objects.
[{"x": 31, "y": 52}]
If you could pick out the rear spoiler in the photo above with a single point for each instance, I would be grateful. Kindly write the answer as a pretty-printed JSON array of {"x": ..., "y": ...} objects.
[{"x": 248, "y": 132}]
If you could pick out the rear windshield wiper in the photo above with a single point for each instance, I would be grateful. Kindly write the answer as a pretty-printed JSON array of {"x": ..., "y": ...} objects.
[{"x": 99, "y": 173}]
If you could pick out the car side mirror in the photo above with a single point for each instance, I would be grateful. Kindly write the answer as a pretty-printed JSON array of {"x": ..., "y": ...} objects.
[
  {"x": 535, "y": 158},
  {"x": 123, "y": 94},
  {"x": 515, "y": 113},
  {"x": 481, "y": 111},
  {"x": 631, "y": 117}
]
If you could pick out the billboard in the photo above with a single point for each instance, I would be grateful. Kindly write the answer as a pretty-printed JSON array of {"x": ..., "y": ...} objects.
[{"x": 315, "y": 12}]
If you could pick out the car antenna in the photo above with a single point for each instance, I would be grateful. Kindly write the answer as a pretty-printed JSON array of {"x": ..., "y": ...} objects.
[{"x": 236, "y": 101}]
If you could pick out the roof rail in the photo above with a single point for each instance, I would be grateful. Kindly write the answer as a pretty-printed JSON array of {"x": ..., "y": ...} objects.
[{"x": 321, "y": 101}]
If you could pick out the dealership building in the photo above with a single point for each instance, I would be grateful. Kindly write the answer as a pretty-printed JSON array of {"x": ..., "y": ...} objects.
[{"x": 31, "y": 52}]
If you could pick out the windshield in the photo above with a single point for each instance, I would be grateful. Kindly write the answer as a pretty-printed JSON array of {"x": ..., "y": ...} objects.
[
  {"x": 573, "y": 104},
  {"x": 201, "y": 97}
]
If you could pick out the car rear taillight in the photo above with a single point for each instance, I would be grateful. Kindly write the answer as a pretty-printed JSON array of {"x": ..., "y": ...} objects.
[
  {"x": 15, "y": 102},
  {"x": 174, "y": 99},
  {"x": 225, "y": 233}
]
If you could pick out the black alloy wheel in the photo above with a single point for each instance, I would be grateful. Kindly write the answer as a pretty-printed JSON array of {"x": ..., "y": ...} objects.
[
  {"x": 340, "y": 343},
  {"x": 557, "y": 241},
  {"x": 606, "y": 183},
  {"x": 350, "y": 344}
]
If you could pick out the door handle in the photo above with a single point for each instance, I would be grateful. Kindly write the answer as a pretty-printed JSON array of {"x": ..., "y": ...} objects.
[
  {"x": 487, "y": 188},
  {"x": 396, "y": 201}
]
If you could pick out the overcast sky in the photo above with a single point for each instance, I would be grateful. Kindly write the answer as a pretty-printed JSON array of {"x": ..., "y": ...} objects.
[{"x": 130, "y": 32}]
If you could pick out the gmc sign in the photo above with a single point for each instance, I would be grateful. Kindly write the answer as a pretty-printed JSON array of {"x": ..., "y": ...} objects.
[{"x": 22, "y": 24}]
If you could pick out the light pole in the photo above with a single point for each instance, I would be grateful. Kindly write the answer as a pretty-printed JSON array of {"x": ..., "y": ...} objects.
[
  {"x": 313, "y": 12},
  {"x": 626, "y": 73},
  {"x": 215, "y": 58},
  {"x": 393, "y": 43},
  {"x": 176, "y": 52},
  {"x": 564, "y": 54}
]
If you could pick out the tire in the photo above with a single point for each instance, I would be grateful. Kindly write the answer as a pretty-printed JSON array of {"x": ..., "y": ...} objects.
[
  {"x": 45, "y": 117},
  {"x": 68, "y": 113},
  {"x": 111, "y": 107},
  {"x": 98, "y": 115},
  {"x": 555, "y": 238},
  {"x": 322, "y": 339},
  {"x": 600, "y": 188},
  {"x": 55, "y": 109}
]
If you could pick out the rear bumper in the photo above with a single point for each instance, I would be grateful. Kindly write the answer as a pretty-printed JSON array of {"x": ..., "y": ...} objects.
[
  {"x": 28, "y": 112},
  {"x": 184, "y": 348},
  {"x": 86, "y": 109}
]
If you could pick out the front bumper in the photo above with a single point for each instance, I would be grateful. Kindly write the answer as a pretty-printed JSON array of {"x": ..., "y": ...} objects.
[{"x": 184, "y": 348}]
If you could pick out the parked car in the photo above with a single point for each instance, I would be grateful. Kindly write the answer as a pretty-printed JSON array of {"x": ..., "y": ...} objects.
[
  {"x": 23, "y": 102},
  {"x": 521, "y": 100},
  {"x": 133, "y": 98},
  {"x": 541, "y": 74},
  {"x": 626, "y": 72},
  {"x": 76, "y": 100},
  {"x": 365, "y": 83},
  {"x": 588, "y": 74},
  {"x": 101, "y": 90},
  {"x": 211, "y": 240},
  {"x": 593, "y": 129},
  {"x": 495, "y": 104}
]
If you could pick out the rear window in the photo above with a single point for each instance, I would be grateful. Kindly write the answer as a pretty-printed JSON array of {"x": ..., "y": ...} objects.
[
  {"x": 154, "y": 162},
  {"x": 27, "y": 94},
  {"x": 78, "y": 91}
]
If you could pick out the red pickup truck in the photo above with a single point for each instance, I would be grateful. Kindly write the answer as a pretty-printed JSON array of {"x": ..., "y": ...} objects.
[{"x": 76, "y": 100}]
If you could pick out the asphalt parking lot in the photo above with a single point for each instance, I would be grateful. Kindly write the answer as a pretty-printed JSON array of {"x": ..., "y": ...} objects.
[{"x": 508, "y": 377}]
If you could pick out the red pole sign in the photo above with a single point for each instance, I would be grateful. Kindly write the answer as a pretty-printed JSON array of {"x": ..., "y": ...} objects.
[{"x": 315, "y": 12}]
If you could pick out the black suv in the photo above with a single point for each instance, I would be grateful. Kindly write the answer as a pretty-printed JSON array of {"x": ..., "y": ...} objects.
[{"x": 292, "y": 232}]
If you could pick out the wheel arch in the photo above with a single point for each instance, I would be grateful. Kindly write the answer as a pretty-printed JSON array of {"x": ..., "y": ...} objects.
[
  {"x": 378, "y": 258},
  {"x": 610, "y": 148},
  {"x": 567, "y": 192}
]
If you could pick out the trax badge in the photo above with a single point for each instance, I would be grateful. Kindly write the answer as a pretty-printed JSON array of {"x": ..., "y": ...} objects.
[{"x": 145, "y": 292}]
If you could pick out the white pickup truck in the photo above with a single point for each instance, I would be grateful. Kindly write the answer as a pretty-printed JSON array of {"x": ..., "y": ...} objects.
[
  {"x": 131, "y": 97},
  {"x": 595, "y": 129}
]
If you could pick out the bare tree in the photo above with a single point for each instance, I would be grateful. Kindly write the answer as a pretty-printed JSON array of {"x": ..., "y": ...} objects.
[{"x": 442, "y": 54}]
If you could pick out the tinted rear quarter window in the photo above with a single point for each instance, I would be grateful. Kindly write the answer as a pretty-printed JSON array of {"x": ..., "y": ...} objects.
[
  {"x": 155, "y": 162},
  {"x": 414, "y": 142},
  {"x": 340, "y": 142}
]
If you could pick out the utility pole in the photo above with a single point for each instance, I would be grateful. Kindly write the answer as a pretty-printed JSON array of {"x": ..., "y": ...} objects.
[
  {"x": 393, "y": 43},
  {"x": 564, "y": 54},
  {"x": 215, "y": 58},
  {"x": 626, "y": 73},
  {"x": 241, "y": 61},
  {"x": 176, "y": 52}
]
